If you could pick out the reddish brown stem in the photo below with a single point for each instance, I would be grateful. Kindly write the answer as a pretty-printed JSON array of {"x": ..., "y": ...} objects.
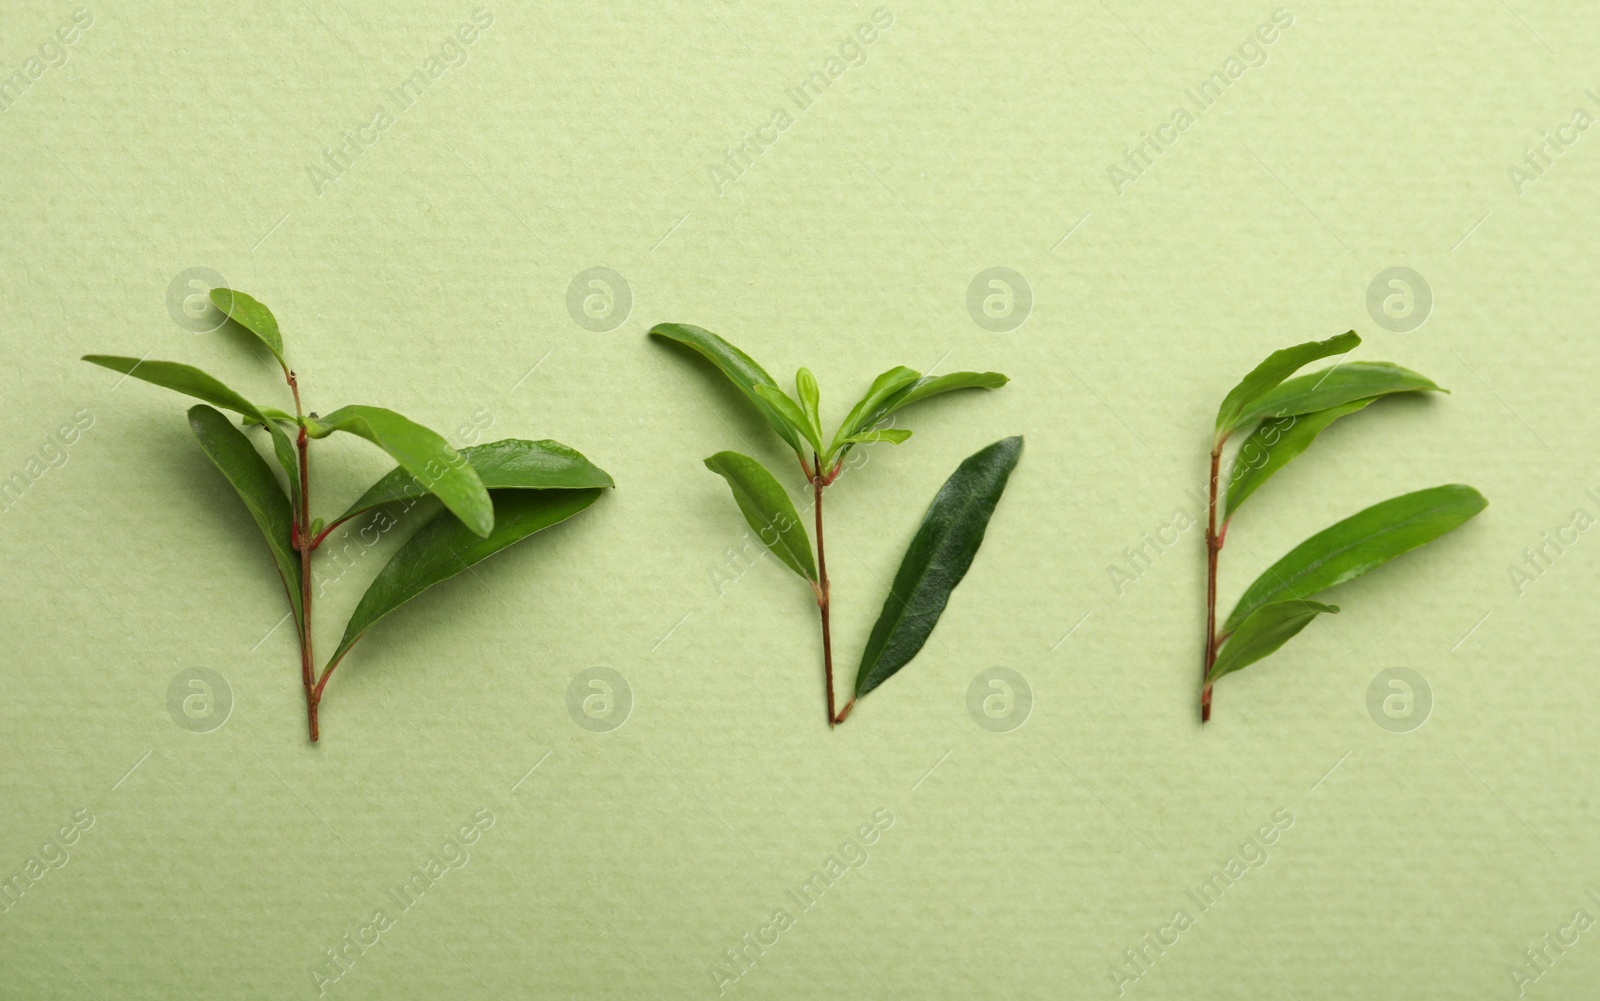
[
  {"x": 305, "y": 543},
  {"x": 817, "y": 483},
  {"x": 1213, "y": 547}
]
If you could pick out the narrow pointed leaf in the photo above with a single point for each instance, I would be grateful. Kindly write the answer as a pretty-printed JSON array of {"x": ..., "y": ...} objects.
[
  {"x": 250, "y": 476},
  {"x": 444, "y": 547},
  {"x": 805, "y": 385},
  {"x": 866, "y": 411},
  {"x": 425, "y": 455},
  {"x": 892, "y": 435},
  {"x": 1267, "y": 628},
  {"x": 938, "y": 557},
  {"x": 933, "y": 385},
  {"x": 792, "y": 415},
  {"x": 253, "y": 316},
  {"x": 1275, "y": 443},
  {"x": 202, "y": 386},
  {"x": 511, "y": 463},
  {"x": 768, "y": 509},
  {"x": 1279, "y": 366},
  {"x": 739, "y": 367},
  {"x": 1334, "y": 387},
  {"x": 1359, "y": 543}
]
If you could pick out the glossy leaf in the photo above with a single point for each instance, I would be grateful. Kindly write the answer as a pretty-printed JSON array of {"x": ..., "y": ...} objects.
[
  {"x": 1264, "y": 631},
  {"x": 865, "y": 412},
  {"x": 511, "y": 463},
  {"x": 425, "y": 455},
  {"x": 739, "y": 367},
  {"x": 792, "y": 415},
  {"x": 1278, "y": 366},
  {"x": 768, "y": 510},
  {"x": 250, "y": 476},
  {"x": 252, "y": 316},
  {"x": 193, "y": 382},
  {"x": 938, "y": 557},
  {"x": 1359, "y": 543},
  {"x": 933, "y": 385},
  {"x": 1273, "y": 444},
  {"x": 805, "y": 385},
  {"x": 1334, "y": 387},
  {"x": 892, "y": 435},
  {"x": 444, "y": 547}
]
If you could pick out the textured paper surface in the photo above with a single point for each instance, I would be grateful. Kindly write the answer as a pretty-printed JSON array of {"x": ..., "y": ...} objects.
[{"x": 433, "y": 275}]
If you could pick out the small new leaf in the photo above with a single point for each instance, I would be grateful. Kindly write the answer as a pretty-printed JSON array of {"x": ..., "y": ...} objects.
[{"x": 768, "y": 510}]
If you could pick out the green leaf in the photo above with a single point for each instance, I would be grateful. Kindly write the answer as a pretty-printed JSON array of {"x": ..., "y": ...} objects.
[
  {"x": 792, "y": 415},
  {"x": 253, "y": 316},
  {"x": 511, "y": 463},
  {"x": 1264, "y": 631},
  {"x": 1334, "y": 387},
  {"x": 425, "y": 455},
  {"x": 1279, "y": 366},
  {"x": 191, "y": 381},
  {"x": 739, "y": 367},
  {"x": 768, "y": 509},
  {"x": 444, "y": 547},
  {"x": 933, "y": 385},
  {"x": 892, "y": 435},
  {"x": 252, "y": 479},
  {"x": 1274, "y": 443},
  {"x": 937, "y": 559},
  {"x": 1359, "y": 543},
  {"x": 865, "y": 413},
  {"x": 810, "y": 400}
]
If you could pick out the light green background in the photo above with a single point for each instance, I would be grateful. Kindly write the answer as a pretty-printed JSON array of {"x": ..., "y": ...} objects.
[{"x": 433, "y": 276}]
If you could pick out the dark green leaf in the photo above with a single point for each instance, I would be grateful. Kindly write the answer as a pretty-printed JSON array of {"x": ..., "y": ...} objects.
[
  {"x": 509, "y": 463},
  {"x": 252, "y": 478},
  {"x": 1334, "y": 387},
  {"x": 865, "y": 412},
  {"x": 739, "y": 367},
  {"x": 1279, "y": 366},
  {"x": 768, "y": 509},
  {"x": 1267, "y": 628},
  {"x": 1355, "y": 545},
  {"x": 1274, "y": 444},
  {"x": 937, "y": 559},
  {"x": 191, "y": 381},
  {"x": 425, "y": 455},
  {"x": 444, "y": 547},
  {"x": 253, "y": 316}
]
